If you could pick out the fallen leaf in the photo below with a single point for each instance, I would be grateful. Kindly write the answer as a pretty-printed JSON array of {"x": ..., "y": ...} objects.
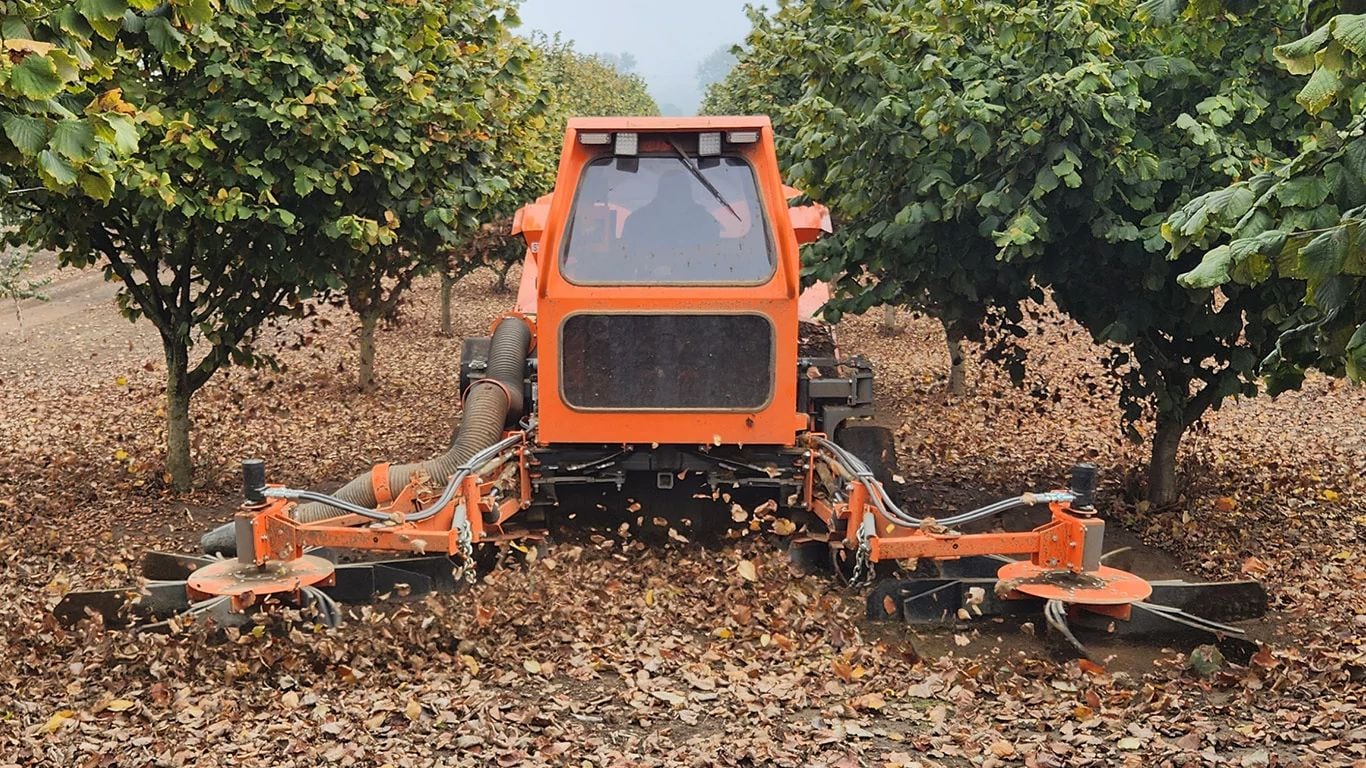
[
  {"x": 1002, "y": 749},
  {"x": 870, "y": 701},
  {"x": 747, "y": 570},
  {"x": 56, "y": 721},
  {"x": 670, "y": 697}
]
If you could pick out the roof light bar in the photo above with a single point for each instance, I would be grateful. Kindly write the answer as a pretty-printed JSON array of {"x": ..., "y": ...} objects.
[
  {"x": 742, "y": 137},
  {"x": 627, "y": 144},
  {"x": 595, "y": 138},
  {"x": 708, "y": 144}
]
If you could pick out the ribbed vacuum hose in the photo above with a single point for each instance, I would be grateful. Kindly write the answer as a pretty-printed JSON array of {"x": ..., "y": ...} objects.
[{"x": 489, "y": 405}]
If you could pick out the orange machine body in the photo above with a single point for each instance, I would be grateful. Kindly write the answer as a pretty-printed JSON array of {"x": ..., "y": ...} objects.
[{"x": 550, "y": 297}]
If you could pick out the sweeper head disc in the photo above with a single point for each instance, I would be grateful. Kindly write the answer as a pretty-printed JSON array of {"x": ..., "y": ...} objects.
[
  {"x": 1104, "y": 586},
  {"x": 237, "y": 579}
]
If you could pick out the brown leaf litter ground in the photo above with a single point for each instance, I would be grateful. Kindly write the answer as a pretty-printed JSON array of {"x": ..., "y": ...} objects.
[{"x": 613, "y": 651}]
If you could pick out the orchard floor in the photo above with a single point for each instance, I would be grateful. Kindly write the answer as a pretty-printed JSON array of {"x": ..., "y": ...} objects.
[{"x": 614, "y": 651}]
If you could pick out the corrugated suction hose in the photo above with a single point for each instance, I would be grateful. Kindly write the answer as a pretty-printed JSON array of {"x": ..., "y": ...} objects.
[{"x": 490, "y": 404}]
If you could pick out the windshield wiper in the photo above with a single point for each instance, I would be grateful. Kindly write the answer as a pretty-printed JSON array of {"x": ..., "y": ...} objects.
[{"x": 697, "y": 174}]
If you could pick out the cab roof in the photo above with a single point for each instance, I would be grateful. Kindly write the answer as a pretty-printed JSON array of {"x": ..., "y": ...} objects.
[{"x": 709, "y": 123}]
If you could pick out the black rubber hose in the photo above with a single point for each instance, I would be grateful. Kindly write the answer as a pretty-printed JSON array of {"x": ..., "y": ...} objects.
[{"x": 491, "y": 404}]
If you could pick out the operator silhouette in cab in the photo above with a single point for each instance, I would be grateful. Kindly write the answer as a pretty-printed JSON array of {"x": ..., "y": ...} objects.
[{"x": 670, "y": 228}]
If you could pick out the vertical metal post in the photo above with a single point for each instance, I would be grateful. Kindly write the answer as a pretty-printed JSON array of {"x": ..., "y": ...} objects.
[
  {"x": 1083, "y": 485},
  {"x": 253, "y": 496}
]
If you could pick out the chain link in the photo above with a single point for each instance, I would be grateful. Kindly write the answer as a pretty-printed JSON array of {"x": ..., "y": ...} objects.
[
  {"x": 462, "y": 522},
  {"x": 863, "y": 570}
]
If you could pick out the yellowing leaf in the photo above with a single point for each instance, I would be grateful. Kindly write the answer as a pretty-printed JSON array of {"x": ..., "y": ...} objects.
[
  {"x": 532, "y": 666},
  {"x": 747, "y": 570},
  {"x": 55, "y": 722},
  {"x": 120, "y": 455},
  {"x": 413, "y": 711},
  {"x": 784, "y": 527},
  {"x": 119, "y": 705},
  {"x": 470, "y": 663},
  {"x": 121, "y": 381},
  {"x": 1331, "y": 495}
]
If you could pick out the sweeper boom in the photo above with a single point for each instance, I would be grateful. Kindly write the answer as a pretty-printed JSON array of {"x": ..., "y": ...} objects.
[{"x": 661, "y": 347}]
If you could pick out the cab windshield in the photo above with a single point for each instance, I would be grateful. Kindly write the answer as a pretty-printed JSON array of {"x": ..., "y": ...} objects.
[{"x": 650, "y": 220}]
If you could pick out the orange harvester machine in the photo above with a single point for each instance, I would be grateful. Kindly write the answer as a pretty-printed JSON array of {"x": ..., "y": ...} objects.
[{"x": 662, "y": 346}]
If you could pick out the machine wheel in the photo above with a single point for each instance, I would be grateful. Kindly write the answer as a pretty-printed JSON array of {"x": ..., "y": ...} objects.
[{"x": 872, "y": 443}]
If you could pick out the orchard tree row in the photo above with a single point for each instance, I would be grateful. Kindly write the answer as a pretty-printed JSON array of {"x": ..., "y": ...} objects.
[
  {"x": 1187, "y": 180},
  {"x": 227, "y": 161}
]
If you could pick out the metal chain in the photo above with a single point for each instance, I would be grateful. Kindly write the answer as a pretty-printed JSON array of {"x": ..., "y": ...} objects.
[
  {"x": 863, "y": 571},
  {"x": 462, "y": 523}
]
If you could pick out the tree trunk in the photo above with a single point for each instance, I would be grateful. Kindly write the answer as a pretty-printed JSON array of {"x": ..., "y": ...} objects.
[
  {"x": 502, "y": 286},
  {"x": 889, "y": 318},
  {"x": 178, "y": 463},
  {"x": 1162, "y": 464},
  {"x": 447, "y": 283},
  {"x": 368, "y": 321},
  {"x": 958, "y": 384}
]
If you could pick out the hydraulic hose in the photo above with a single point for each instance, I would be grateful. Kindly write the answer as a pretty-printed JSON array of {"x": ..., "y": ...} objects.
[
  {"x": 880, "y": 499},
  {"x": 448, "y": 493},
  {"x": 490, "y": 404}
]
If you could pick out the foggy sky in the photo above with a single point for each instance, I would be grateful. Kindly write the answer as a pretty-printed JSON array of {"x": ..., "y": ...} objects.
[{"x": 668, "y": 39}]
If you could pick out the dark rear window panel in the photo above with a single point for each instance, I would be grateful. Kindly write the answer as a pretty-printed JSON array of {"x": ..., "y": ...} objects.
[{"x": 647, "y": 361}]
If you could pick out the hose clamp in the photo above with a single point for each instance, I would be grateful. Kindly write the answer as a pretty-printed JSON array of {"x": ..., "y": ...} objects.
[
  {"x": 515, "y": 402},
  {"x": 379, "y": 482}
]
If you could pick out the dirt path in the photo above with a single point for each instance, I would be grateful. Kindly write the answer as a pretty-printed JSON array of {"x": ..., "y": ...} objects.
[{"x": 78, "y": 327}]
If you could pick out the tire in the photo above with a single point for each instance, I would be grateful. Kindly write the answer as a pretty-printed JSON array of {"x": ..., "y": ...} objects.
[{"x": 874, "y": 445}]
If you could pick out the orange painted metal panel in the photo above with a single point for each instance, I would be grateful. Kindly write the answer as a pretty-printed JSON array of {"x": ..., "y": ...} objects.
[{"x": 776, "y": 423}]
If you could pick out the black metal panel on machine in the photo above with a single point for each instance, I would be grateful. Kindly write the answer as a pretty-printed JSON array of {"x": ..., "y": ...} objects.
[
  {"x": 667, "y": 361},
  {"x": 834, "y": 399}
]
